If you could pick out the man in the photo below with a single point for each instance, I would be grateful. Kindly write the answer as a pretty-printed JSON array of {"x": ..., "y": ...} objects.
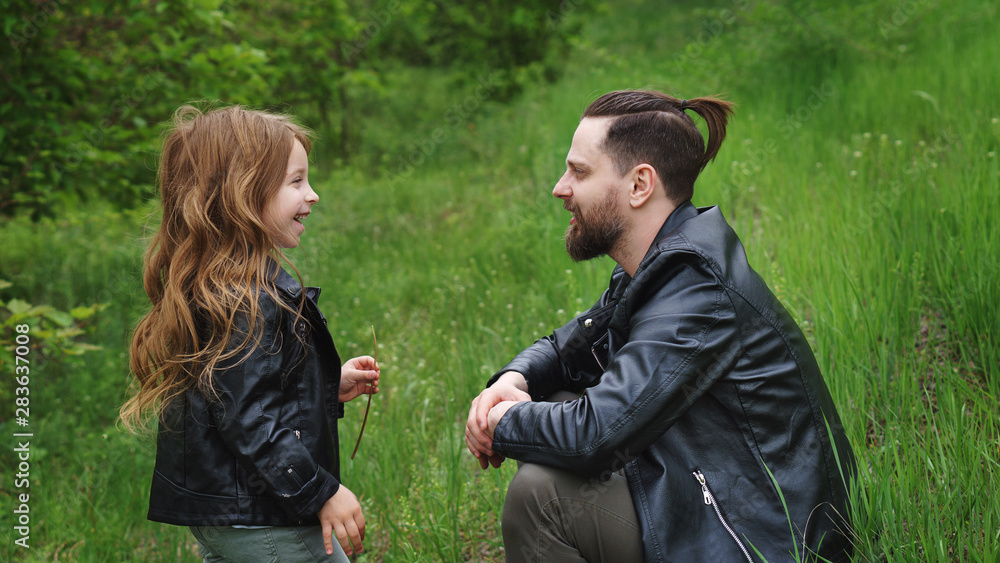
[{"x": 705, "y": 431}]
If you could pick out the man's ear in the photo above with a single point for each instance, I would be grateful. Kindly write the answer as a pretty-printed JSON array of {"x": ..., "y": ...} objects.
[{"x": 644, "y": 180}]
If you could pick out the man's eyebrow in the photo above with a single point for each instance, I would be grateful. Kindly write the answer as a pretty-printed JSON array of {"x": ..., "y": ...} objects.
[{"x": 576, "y": 164}]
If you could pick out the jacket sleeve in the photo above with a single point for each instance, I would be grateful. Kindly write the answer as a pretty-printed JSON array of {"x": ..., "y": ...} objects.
[
  {"x": 248, "y": 414},
  {"x": 682, "y": 336},
  {"x": 569, "y": 358}
]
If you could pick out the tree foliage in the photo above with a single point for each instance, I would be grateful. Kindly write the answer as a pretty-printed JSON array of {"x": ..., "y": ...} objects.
[{"x": 85, "y": 83}]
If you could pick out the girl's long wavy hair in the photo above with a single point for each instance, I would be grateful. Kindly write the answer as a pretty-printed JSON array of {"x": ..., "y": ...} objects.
[{"x": 210, "y": 258}]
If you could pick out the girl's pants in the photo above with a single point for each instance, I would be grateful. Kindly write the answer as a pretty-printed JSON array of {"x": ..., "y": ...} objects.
[{"x": 285, "y": 544}]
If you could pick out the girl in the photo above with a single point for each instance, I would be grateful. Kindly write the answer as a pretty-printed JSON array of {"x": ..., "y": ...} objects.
[{"x": 234, "y": 358}]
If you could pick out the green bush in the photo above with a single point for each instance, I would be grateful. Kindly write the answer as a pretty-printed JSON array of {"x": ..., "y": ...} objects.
[
  {"x": 37, "y": 335},
  {"x": 86, "y": 83}
]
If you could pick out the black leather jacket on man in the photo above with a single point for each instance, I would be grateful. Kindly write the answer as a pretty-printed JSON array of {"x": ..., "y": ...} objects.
[
  {"x": 266, "y": 453},
  {"x": 703, "y": 387}
]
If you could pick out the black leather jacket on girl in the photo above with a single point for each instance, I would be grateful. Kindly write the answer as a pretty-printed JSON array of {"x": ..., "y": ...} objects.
[
  {"x": 266, "y": 453},
  {"x": 700, "y": 384}
]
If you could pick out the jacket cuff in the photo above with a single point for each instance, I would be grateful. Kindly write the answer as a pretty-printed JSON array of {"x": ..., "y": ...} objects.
[{"x": 313, "y": 495}]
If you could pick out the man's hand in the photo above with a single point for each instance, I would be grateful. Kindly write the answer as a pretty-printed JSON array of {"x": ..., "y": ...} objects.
[
  {"x": 341, "y": 517},
  {"x": 510, "y": 387},
  {"x": 359, "y": 376}
]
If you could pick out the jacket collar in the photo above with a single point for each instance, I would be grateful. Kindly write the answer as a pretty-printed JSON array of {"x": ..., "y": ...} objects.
[
  {"x": 681, "y": 213},
  {"x": 282, "y": 280},
  {"x": 288, "y": 285}
]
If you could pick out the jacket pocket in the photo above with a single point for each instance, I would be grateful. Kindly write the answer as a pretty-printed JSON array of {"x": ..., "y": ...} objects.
[
  {"x": 710, "y": 500},
  {"x": 291, "y": 476}
]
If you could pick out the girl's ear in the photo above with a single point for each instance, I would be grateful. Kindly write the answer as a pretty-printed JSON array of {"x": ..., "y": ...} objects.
[{"x": 644, "y": 180}]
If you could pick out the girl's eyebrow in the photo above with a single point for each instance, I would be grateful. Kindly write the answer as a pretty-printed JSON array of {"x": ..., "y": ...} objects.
[{"x": 299, "y": 170}]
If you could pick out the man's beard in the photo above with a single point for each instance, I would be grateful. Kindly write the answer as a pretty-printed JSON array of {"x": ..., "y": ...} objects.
[{"x": 596, "y": 234}]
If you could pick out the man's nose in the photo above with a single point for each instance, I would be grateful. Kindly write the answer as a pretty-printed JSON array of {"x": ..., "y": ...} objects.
[{"x": 561, "y": 189}]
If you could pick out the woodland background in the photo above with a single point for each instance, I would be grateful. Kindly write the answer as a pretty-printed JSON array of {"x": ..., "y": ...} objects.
[{"x": 860, "y": 172}]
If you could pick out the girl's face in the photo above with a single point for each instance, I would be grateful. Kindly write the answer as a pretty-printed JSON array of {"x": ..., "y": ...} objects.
[{"x": 290, "y": 206}]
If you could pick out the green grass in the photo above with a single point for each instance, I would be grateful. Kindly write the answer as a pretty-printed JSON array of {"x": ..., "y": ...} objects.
[{"x": 861, "y": 175}]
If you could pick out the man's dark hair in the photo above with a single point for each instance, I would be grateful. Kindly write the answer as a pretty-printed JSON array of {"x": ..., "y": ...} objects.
[{"x": 652, "y": 128}]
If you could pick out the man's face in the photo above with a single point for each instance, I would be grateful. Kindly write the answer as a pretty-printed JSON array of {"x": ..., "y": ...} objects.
[{"x": 591, "y": 189}]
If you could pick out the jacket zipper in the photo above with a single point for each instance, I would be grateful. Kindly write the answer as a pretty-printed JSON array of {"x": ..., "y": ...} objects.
[
  {"x": 593, "y": 349},
  {"x": 710, "y": 499},
  {"x": 598, "y": 360}
]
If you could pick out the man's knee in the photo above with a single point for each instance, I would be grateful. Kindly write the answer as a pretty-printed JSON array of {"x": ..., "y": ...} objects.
[{"x": 531, "y": 488}]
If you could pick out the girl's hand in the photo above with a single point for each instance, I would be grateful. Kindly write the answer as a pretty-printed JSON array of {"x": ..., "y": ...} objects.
[
  {"x": 359, "y": 376},
  {"x": 341, "y": 517}
]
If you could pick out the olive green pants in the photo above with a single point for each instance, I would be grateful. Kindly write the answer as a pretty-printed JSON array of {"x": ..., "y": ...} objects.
[{"x": 555, "y": 515}]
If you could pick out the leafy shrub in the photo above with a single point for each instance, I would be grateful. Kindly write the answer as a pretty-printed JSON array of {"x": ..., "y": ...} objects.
[
  {"x": 48, "y": 333},
  {"x": 87, "y": 82}
]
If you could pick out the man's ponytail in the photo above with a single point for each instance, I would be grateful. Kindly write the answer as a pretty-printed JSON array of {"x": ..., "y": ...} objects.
[{"x": 716, "y": 113}]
